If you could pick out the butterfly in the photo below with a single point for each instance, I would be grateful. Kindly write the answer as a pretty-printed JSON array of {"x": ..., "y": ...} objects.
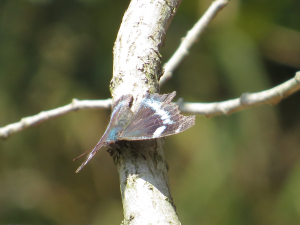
[{"x": 155, "y": 117}]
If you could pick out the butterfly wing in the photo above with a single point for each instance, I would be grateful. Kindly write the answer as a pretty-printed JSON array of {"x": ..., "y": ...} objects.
[
  {"x": 156, "y": 117},
  {"x": 120, "y": 116},
  {"x": 91, "y": 155}
]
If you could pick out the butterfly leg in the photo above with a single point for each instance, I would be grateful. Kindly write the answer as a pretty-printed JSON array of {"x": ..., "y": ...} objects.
[
  {"x": 115, "y": 150},
  {"x": 135, "y": 150}
]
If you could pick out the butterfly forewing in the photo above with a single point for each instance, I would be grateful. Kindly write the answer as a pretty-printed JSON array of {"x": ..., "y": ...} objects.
[
  {"x": 120, "y": 116},
  {"x": 90, "y": 155}
]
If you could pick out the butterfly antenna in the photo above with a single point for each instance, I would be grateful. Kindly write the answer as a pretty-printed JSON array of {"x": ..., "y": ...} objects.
[
  {"x": 80, "y": 155},
  {"x": 90, "y": 155}
]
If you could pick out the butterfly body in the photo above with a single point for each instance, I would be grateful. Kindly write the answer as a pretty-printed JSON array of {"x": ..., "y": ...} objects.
[{"x": 156, "y": 117}]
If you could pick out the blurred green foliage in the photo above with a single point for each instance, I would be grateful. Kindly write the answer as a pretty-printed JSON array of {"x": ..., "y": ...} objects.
[{"x": 238, "y": 169}]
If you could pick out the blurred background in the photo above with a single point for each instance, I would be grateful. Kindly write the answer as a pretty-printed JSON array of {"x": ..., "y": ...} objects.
[{"x": 239, "y": 169}]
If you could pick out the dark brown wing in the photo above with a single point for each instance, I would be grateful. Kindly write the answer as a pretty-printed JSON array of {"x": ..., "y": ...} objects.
[{"x": 156, "y": 117}]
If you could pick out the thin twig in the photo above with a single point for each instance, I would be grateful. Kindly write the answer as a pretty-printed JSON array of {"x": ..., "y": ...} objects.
[
  {"x": 247, "y": 100},
  {"x": 191, "y": 37},
  {"x": 272, "y": 96},
  {"x": 26, "y": 122}
]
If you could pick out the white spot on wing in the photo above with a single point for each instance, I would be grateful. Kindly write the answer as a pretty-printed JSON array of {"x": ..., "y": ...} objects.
[
  {"x": 178, "y": 129},
  {"x": 159, "y": 131},
  {"x": 164, "y": 115}
]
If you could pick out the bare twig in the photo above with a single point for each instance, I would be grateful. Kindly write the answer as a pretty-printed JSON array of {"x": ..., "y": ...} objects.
[
  {"x": 272, "y": 96},
  {"x": 191, "y": 37},
  {"x": 247, "y": 100},
  {"x": 26, "y": 122}
]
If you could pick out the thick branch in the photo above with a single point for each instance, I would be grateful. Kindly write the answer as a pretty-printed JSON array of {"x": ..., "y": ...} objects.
[
  {"x": 191, "y": 37},
  {"x": 144, "y": 181},
  {"x": 272, "y": 96}
]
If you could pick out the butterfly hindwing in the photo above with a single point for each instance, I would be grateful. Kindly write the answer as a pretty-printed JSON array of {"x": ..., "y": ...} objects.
[{"x": 156, "y": 117}]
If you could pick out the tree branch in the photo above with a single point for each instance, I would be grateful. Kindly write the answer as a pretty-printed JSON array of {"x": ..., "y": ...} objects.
[
  {"x": 141, "y": 165},
  {"x": 272, "y": 96},
  {"x": 191, "y": 37},
  {"x": 26, "y": 122}
]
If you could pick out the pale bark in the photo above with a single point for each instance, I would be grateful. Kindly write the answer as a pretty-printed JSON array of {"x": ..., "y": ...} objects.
[{"x": 137, "y": 67}]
